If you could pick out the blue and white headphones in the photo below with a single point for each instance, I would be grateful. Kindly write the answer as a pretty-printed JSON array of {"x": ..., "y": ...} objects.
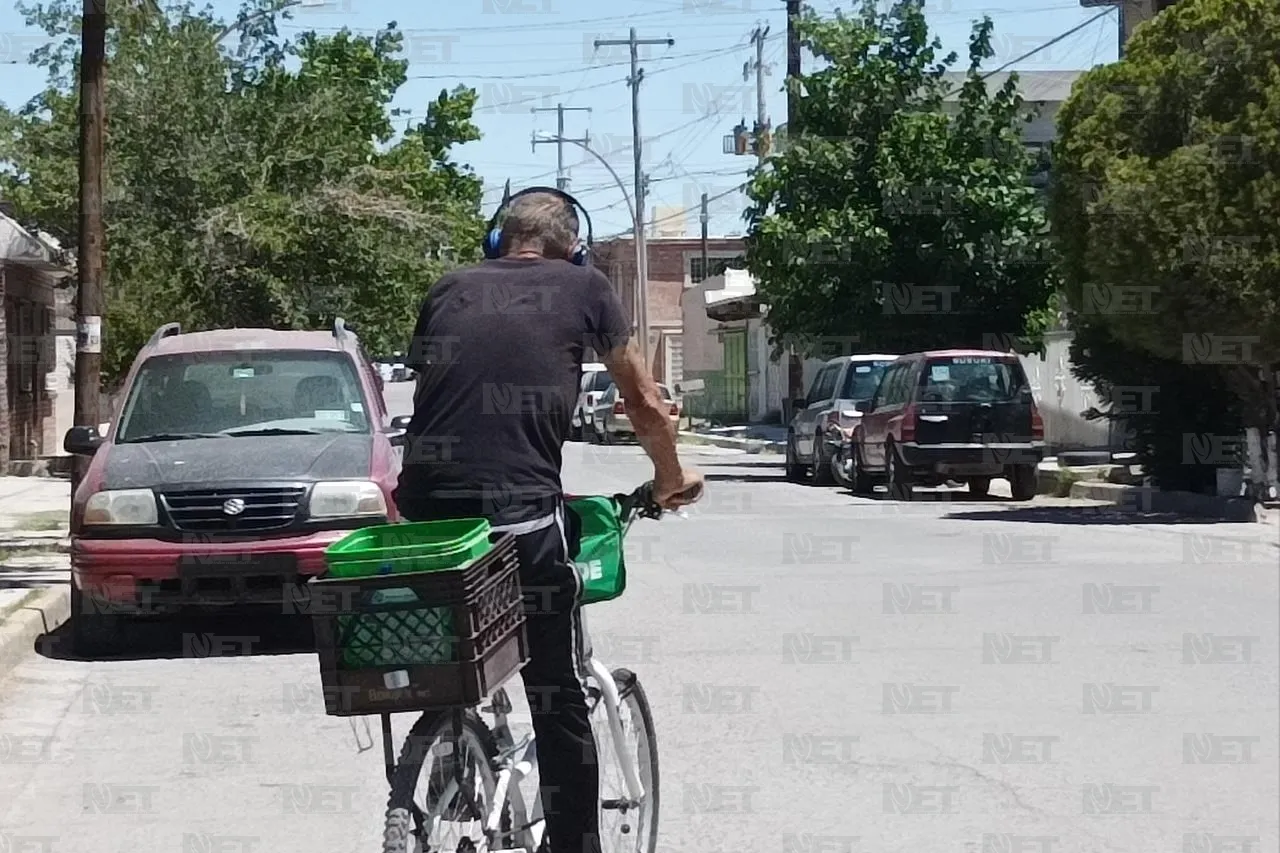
[{"x": 493, "y": 236}]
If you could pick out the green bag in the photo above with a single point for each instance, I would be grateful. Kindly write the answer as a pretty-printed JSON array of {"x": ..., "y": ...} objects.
[{"x": 599, "y": 559}]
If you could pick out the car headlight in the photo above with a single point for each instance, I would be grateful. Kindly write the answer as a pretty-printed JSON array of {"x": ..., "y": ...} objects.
[
  {"x": 347, "y": 498},
  {"x": 122, "y": 506}
]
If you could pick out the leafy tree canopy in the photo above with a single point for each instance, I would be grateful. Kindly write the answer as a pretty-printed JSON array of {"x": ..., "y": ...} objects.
[
  {"x": 1167, "y": 192},
  {"x": 894, "y": 213},
  {"x": 261, "y": 187}
]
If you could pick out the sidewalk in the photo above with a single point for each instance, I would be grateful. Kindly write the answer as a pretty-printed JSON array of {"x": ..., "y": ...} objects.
[
  {"x": 752, "y": 438},
  {"x": 35, "y": 568}
]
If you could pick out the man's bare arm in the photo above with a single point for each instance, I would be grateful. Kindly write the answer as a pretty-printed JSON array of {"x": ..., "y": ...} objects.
[{"x": 646, "y": 408}]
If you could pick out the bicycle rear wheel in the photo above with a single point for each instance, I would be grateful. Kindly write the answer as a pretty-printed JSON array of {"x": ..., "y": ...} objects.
[
  {"x": 445, "y": 755},
  {"x": 623, "y": 827}
]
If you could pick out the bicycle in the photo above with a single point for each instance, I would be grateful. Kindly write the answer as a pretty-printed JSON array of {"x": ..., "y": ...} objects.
[{"x": 483, "y": 765}]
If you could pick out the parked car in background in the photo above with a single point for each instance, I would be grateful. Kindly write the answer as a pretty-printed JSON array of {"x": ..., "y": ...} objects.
[
  {"x": 962, "y": 414},
  {"x": 237, "y": 458},
  {"x": 814, "y": 436},
  {"x": 610, "y": 423},
  {"x": 595, "y": 382}
]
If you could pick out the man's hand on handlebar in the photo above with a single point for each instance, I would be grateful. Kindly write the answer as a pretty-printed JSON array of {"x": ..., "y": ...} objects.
[{"x": 673, "y": 492}]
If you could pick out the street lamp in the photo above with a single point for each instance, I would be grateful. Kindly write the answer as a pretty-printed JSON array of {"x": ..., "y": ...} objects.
[
  {"x": 266, "y": 13},
  {"x": 635, "y": 226}
]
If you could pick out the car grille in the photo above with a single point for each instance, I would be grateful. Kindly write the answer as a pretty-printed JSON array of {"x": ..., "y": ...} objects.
[{"x": 201, "y": 510}]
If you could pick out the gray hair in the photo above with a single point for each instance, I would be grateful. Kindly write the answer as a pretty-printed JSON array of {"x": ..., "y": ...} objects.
[{"x": 540, "y": 221}]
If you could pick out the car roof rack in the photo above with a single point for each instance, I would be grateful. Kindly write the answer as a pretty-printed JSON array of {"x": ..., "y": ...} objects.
[{"x": 168, "y": 330}]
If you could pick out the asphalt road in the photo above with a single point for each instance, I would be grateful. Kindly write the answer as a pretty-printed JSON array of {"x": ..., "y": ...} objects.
[{"x": 829, "y": 674}]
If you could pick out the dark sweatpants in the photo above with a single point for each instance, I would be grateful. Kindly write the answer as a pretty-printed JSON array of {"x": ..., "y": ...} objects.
[{"x": 553, "y": 681}]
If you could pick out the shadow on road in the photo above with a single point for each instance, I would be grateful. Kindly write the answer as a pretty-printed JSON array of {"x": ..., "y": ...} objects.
[
  {"x": 745, "y": 478},
  {"x": 778, "y": 466},
  {"x": 1098, "y": 515},
  {"x": 197, "y": 636}
]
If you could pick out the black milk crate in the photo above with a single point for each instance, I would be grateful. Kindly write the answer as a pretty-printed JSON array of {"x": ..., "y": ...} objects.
[{"x": 420, "y": 640}]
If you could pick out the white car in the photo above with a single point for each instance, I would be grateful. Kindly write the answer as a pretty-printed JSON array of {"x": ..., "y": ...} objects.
[
  {"x": 610, "y": 421},
  {"x": 595, "y": 382}
]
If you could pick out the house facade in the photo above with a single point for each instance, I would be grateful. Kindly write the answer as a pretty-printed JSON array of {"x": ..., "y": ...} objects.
[
  {"x": 32, "y": 270},
  {"x": 675, "y": 264}
]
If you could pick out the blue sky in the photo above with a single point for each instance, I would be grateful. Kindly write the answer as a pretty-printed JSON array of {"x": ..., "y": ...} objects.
[{"x": 521, "y": 54}]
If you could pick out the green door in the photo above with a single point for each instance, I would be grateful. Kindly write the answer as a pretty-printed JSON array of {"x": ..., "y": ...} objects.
[{"x": 735, "y": 374}]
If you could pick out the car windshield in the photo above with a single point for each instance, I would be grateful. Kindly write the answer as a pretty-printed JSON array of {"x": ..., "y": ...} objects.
[
  {"x": 971, "y": 379},
  {"x": 862, "y": 380},
  {"x": 230, "y": 394}
]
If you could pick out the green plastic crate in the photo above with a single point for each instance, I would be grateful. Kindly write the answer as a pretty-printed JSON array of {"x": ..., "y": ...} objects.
[{"x": 423, "y": 546}]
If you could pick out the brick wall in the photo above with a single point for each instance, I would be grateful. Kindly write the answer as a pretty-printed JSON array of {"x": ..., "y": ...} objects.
[{"x": 668, "y": 272}]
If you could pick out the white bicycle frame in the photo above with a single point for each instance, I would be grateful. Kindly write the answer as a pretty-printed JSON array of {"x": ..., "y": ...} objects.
[{"x": 518, "y": 760}]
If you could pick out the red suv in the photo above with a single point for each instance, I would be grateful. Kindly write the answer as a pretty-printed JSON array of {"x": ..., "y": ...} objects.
[
  {"x": 236, "y": 457},
  {"x": 950, "y": 414}
]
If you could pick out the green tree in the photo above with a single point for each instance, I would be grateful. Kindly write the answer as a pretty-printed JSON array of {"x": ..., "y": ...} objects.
[
  {"x": 883, "y": 216},
  {"x": 264, "y": 187},
  {"x": 1167, "y": 202}
]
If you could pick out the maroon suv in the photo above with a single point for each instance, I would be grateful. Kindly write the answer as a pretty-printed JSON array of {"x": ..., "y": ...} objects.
[
  {"x": 950, "y": 414},
  {"x": 235, "y": 458}
]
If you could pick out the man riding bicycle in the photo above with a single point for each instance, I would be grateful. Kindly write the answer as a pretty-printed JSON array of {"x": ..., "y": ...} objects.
[{"x": 498, "y": 350}]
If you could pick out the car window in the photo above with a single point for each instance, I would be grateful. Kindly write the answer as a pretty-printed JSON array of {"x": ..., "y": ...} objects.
[
  {"x": 211, "y": 392},
  {"x": 823, "y": 384},
  {"x": 894, "y": 386},
  {"x": 970, "y": 379},
  {"x": 601, "y": 381},
  {"x": 862, "y": 380}
]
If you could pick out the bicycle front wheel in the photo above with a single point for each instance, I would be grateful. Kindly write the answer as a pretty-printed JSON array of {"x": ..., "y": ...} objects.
[
  {"x": 443, "y": 787},
  {"x": 632, "y": 828}
]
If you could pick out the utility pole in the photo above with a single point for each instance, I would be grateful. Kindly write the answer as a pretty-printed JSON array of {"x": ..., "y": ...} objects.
[
  {"x": 562, "y": 181},
  {"x": 762, "y": 134},
  {"x": 93, "y": 53},
  {"x": 795, "y": 369},
  {"x": 642, "y": 253},
  {"x": 705, "y": 218}
]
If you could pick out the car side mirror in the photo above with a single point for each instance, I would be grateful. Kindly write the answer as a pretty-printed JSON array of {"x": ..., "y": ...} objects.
[
  {"x": 398, "y": 432},
  {"x": 862, "y": 407},
  {"x": 82, "y": 441},
  {"x": 799, "y": 404}
]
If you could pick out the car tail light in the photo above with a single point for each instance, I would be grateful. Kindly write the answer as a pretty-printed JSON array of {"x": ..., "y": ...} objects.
[
  {"x": 675, "y": 410},
  {"x": 909, "y": 423},
  {"x": 619, "y": 408},
  {"x": 1037, "y": 424}
]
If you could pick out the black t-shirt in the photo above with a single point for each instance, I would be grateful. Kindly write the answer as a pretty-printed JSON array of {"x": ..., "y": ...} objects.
[{"x": 499, "y": 350}]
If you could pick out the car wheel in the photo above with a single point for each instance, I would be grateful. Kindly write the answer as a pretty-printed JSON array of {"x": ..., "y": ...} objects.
[
  {"x": 862, "y": 482},
  {"x": 979, "y": 486},
  {"x": 899, "y": 479},
  {"x": 1022, "y": 482},
  {"x": 795, "y": 471},
  {"x": 92, "y": 634},
  {"x": 820, "y": 467}
]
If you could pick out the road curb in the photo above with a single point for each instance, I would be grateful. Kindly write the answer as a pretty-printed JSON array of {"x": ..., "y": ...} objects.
[
  {"x": 1146, "y": 499},
  {"x": 749, "y": 445},
  {"x": 39, "y": 544},
  {"x": 20, "y": 628}
]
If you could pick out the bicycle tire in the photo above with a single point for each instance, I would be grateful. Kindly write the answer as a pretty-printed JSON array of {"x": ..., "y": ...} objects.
[
  {"x": 398, "y": 833},
  {"x": 631, "y": 692}
]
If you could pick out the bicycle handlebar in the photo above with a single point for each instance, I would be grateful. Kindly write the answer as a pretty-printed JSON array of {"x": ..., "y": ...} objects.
[{"x": 641, "y": 503}]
